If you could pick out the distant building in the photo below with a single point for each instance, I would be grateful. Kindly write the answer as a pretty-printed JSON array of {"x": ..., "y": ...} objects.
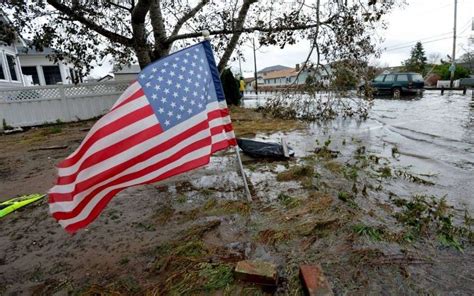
[
  {"x": 127, "y": 72},
  {"x": 278, "y": 76}
]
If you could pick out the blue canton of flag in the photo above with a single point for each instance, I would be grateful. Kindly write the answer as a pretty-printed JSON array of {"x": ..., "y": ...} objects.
[{"x": 178, "y": 87}]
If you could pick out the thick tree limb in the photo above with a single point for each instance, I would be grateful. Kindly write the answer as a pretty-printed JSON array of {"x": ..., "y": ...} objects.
[
  {"x": 171, "y": 39},
  {"x": 235, "y": 37},
  {"x": 77, "y": 16},
  {"x": 188, "y": 16},
  {"x": 140, "y": 46}
]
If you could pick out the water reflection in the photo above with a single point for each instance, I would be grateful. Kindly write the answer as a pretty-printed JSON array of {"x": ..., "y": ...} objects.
[{"x": 434, "y": 135}]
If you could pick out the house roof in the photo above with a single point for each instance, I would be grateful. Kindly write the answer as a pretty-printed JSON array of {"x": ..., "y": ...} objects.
[
  {"x": 281, "y": 73},
  {"x": 273, "y": 68},
  {"x": 249, "y": 79},
  {"x": 129, "y": 69}
]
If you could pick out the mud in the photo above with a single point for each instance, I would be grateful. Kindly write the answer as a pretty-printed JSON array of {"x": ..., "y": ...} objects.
[{"x": 348, "y": 210}]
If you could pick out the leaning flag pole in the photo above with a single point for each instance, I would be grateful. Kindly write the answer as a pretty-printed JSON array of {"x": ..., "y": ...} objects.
[
  {"x": 206, "y": 36},
  {"x": 170, "y": 121}
]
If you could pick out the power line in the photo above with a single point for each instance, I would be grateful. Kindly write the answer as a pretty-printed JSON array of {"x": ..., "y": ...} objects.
[{"x": 401, "y": 47}]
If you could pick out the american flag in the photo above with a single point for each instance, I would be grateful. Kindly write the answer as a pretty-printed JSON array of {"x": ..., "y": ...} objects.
[{"x": 167, "y": 122}]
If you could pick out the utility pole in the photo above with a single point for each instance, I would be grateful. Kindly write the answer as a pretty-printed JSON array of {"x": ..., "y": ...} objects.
[
  {"x": 453, "y": 64},
  {"x": 255, "y": 66}
]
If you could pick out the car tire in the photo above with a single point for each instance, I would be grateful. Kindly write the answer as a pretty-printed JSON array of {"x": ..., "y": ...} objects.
[{"x": 397, "y": 92}]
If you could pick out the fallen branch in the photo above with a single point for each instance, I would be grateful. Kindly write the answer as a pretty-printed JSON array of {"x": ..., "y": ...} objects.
[{"x": 49, "y": 148}]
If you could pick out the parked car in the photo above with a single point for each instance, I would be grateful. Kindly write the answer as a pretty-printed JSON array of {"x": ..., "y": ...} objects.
[{"x": 397, "y": 83}]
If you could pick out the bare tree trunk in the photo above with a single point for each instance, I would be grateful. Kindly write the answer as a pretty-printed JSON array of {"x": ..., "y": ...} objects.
[
  {"x": 239, "y": 25},
  {"x": 161, "y": 48},
  {"x": 140, "y": 46}
]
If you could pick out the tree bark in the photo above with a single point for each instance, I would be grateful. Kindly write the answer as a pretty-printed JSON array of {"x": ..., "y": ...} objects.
[
  {"x": 140, "y": 46},
  {"x": 239, "y": 25}
]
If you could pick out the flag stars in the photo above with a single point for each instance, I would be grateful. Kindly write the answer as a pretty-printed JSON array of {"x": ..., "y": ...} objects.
[
  {"x": 154, "y": 96},
  {"x": 185, "y": 60},
  {"x": 191, "y": 72},
  {"x": 148, "y": 84},
  {"x": 184, "y": 99},
  {"x": 196, "y": 84},
  {"x": 167, "y": 122},
  {"x": 154, "y": 70},
  {"x": 183, "y": 68},
  {"x": 181, "y": 108},
  {"x": 193, "y": 64},
  {"x": 160, "y": 78},
  {"x": 173, "y": 104},
  {"x": 200, "y": 105},
  {"x": 186, "y": 89},
  {"x": 170, "y": 113},
  {"x": 178, "y": 116},
  {"x": 167, "y": 91},
  {"x": 172, "y": 73},
  {"x": 157, "y": 87},
  {"x": 169, "y": 82},
  {"x": 161, "y": 110},
  {"x": 175, "y": 66},
  {"x": 151, "y": 76},
  {"x": 190, "y": 111},
  {"x": 181, "y": 77},
  {"x": 142, "y": 76},
  {"x": 163, "y": 70},
  {"x": 178, "y": 85},
  {"x": 189, "y": 80},
  {"x": 195, "y": 93},
  {"x": 175, "y": 94},
  {"x": 193, "y": 102}
]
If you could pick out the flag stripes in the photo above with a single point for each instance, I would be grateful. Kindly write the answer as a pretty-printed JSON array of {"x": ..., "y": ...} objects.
[{"x": 164, "y": 124}]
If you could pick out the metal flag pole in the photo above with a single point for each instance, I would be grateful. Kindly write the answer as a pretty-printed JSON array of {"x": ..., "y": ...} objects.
[
  {"x": 206, "y": 35},
  {"x": 247, "y": 190}
]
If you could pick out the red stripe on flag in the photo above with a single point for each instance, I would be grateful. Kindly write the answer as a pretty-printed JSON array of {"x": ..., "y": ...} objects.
[
  {"x": 84, "y": 185},
  {"x": 153, "y": 167},
  {"x": 111, "y": 151},
  {"x": 139, "y": 93},
  {"x": 106, "y": 130},
  {"x": 106, "y": 199}
]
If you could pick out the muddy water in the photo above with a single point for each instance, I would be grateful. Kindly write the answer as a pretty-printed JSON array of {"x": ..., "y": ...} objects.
[{"x": 432, "y": 136}]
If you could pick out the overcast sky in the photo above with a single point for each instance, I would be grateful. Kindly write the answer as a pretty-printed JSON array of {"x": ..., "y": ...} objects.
[
  {"x": 421, "y": 20},
  {"x": 428, "y": 21}
]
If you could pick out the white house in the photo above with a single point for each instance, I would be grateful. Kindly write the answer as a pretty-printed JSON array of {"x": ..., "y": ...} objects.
[
  {"x": 10, "y": 72},
  {"x": 42, "y": 70},
  {"x": 23, "y": 66}
]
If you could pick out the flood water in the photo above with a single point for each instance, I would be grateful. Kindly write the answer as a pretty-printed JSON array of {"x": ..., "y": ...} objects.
[{"x": 432, "y": 135}]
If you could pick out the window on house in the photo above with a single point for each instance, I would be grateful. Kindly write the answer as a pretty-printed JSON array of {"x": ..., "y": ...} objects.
[
  {"x": 31, "y": 71},
  {"x": 52, "y": 75},
  {"x": 2, "y": 72},
  {"x": 12, "y": 67}
]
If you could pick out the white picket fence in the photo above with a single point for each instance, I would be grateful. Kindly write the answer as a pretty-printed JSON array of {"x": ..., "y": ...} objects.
[{"x": 37, "y": 105}]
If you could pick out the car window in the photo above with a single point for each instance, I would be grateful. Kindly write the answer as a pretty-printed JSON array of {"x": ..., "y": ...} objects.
[
  {"x": 379, "y": 78},
  {"x": 402, "y": 77},
  {"x": 390, "y": 78},
  {"x": 417, "y": 77}
]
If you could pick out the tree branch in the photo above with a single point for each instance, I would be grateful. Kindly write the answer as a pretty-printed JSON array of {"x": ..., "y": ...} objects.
[
  {"x": 77, "y": 16},
  {"x": 235, "y": 37},
  {"x": 187, "y": 16},
  {"x": 171, "y": 39},
  {"x": 139, "y": 13}
]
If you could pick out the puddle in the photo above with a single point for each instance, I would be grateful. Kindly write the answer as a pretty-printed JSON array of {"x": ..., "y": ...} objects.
[{"x": 432, "y": 135}]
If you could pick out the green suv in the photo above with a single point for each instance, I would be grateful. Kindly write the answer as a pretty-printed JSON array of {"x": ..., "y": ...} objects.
[{"x": 398, "y": 83}]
